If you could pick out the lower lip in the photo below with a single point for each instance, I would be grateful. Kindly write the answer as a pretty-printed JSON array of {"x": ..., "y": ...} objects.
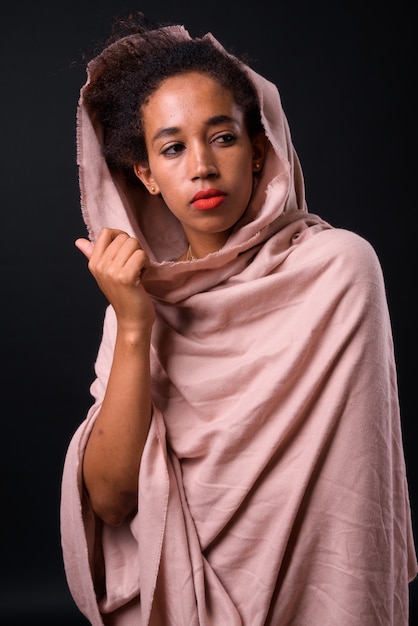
[{"x": 205, "y": 204}]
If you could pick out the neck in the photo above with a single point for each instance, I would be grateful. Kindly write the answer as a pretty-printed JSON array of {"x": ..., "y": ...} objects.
[{"x": 201, "y": 246}]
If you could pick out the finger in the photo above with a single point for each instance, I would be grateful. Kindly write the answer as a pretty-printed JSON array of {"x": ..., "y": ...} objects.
[
  {"x": 137, "y": 262},
  {"x": 126, "y": 249},
  {"x": 85, "y": 246},
  {"x": 108, "y": 242}
]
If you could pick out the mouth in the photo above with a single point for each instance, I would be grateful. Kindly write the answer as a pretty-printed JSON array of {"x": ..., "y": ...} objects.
[{"x": 208, "y": 199}]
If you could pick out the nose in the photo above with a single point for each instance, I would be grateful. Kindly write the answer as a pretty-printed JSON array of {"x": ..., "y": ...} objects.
[{"x": 202, "y": 162}]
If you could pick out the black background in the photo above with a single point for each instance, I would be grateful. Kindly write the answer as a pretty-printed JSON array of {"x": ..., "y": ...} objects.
[{"x": 345, "y": 72}]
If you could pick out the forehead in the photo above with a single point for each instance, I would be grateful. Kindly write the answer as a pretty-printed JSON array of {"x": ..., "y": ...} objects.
[{"x": 192, "y": 94}]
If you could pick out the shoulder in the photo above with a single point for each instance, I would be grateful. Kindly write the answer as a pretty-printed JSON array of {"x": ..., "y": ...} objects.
[
  {"x": 339, "y": 273},
  {"x": 334, "y": 264},
  {"x": 349, "y": 253}
]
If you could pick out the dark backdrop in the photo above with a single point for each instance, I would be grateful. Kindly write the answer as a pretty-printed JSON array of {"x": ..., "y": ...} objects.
[{"x": 345, "y": 73}]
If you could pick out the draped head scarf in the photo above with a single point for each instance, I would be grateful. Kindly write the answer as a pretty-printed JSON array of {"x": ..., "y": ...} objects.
[{"x": 272, "y": 488}]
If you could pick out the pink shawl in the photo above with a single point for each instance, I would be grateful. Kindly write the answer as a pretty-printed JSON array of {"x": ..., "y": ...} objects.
[{"x": 272, "y": 488}]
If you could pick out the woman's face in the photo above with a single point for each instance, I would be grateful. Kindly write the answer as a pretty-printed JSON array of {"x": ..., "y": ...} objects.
[{"x": 201, "y": 158}]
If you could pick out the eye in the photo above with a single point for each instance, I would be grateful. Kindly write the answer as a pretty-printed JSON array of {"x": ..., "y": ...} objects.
[
  {"x": 172, "y": 150},
  {"x": 225, "y": 139}
]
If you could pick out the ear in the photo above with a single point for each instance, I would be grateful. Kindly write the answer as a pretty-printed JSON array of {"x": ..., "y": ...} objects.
[
  {"x": 260, "y": 145},
  {"x": 143, "y": 172}
]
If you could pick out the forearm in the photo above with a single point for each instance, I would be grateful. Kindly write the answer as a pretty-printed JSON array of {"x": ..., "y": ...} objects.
[{"x": 114, "y": 449}]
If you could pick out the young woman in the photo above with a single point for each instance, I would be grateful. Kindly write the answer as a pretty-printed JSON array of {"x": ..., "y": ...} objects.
[{"x": 242, "y": 461}]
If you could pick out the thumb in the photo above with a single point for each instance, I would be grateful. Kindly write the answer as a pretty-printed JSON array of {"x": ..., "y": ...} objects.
[{"x": 85, "y": 246}]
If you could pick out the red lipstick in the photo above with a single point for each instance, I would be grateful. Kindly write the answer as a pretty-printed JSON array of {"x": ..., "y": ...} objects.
[{"x": 208, "y": 199}]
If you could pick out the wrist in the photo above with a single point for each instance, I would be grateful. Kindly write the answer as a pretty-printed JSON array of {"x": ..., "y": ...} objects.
[{"x": 134, "y": 335}]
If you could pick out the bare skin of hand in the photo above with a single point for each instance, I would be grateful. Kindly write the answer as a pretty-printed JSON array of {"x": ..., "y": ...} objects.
[
  {"x": 116, "y": 261},
  {"x": 114, "y": 449}
]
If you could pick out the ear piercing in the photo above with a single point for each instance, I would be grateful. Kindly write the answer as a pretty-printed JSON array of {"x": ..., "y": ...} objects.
[{"x": 139, "y": 173}]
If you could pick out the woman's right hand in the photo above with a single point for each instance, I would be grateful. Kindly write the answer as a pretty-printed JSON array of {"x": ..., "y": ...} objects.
[
  {"x": 116, "y": 261},
  {"x": 121, "y": 427}
]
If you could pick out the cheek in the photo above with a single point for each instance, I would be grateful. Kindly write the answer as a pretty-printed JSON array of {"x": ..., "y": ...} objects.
[
  {"x": 246, "y": 182},
  {"x": 170, "y": 195},
  {"x": 165, "y": 181}
]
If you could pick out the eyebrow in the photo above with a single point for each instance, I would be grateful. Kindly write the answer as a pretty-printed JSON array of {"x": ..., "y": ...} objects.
[{"x": 212, "y": 121}]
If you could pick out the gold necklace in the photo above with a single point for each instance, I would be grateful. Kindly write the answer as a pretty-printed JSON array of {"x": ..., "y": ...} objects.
[{"x": 189, "y": 254}]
